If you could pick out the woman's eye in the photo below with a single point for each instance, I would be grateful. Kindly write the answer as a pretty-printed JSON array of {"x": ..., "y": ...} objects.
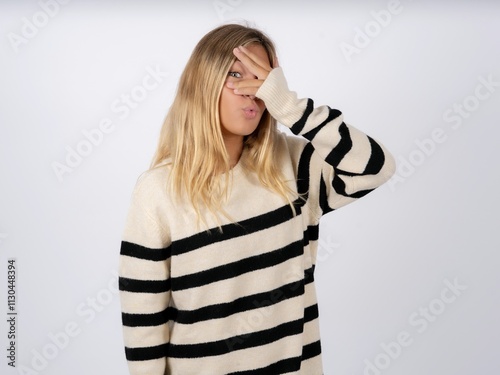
[{"x": 235, "y": 74}]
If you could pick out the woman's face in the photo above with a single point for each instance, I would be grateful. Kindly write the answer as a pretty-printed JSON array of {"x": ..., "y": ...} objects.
[{"x": 240, "y": 114}]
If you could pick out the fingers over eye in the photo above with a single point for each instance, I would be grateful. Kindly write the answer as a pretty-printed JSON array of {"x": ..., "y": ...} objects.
[
  {"x": 248, "y": 91},
  {"x": 247, "y": 83},
  {"x": 255, "y": 64}
]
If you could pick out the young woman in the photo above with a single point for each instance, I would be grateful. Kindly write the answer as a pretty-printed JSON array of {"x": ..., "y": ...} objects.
[{"x": 218, "y": 255}]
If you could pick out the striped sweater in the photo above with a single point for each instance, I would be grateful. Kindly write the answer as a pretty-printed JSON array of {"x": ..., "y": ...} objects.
[{"x": 242, "y": 301}]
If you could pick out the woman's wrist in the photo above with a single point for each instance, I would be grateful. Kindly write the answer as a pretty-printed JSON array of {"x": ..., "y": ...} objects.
[{"x": 281, "y": 102}]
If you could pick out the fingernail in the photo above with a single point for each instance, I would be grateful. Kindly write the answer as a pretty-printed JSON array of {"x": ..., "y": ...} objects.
[
  {"x": 230, "y": 84},
  {"x": 236, "y": 50}
]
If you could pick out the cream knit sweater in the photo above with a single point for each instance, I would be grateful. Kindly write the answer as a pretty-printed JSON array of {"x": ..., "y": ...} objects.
[{"x": 242, "y": 301}]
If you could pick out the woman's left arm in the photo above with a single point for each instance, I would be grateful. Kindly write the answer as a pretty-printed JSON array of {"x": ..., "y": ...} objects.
[{"x": 356, "y": 163}]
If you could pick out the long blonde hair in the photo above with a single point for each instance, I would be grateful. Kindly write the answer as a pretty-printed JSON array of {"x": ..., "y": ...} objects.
[{"x": 191, "y": 139}]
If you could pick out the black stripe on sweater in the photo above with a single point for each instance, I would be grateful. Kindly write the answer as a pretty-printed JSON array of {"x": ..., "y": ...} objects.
[
  {"x": 222, "y": 310},
  {"x": 137, "y": 251},
  {"x": 218, "y": 311},
  {"x": 339, "y": 186},
  {"x": 283, "y": 366},
  {"x": 305, "y": 238},
  {"x": 311, "y": 350},
  {"x": 241, "y": 304},
  {"x": 303, "y": 172},
  {"x": 309, "y": 275},
  {"x": 231, "y": 270},
  {"x": 147, "y": 320},
  {"x": 374, "y": 164},
  {"x": 258, "y": 300},
  {"x": 147, "y": 353},
  {"x": 377, "y": 158},
  {"x": 332, "y": 115},
  {"x": 342, "y": 148},
  {"x": 323, "y": 196},
  {"x": 361, "y": 193},
  {"x": 143, "y": 286},
  {"x": 234, "y": 230},
  {"x": 299, "y": 125},
  {"x": 286, "y": 365},
  {"x": 258, "y": 338},
  {"x": 313, "y": 231},
  {"x": 311, "y": 313}
]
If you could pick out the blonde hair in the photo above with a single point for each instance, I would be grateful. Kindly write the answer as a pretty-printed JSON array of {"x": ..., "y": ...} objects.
[{"x": 191, "y": 139}]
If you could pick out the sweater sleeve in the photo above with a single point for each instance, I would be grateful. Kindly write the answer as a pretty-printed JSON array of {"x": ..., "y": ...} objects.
[
  {"x": 352, "y": 163},
  {"x": 144, "y": 279}
]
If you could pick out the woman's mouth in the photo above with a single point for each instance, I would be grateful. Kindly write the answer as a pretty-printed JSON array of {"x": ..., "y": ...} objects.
[{"x": 250, "y": 112}]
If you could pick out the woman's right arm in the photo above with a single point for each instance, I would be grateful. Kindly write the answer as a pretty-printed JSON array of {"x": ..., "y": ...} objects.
[{"x": 144, "y": 279}]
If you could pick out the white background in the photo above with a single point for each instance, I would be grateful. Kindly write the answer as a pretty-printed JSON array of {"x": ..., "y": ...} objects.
[{"x": 381, "y": 259}]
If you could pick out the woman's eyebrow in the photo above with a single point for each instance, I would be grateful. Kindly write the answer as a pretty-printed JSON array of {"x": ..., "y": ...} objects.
[{"x": 239, "y": 64}]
